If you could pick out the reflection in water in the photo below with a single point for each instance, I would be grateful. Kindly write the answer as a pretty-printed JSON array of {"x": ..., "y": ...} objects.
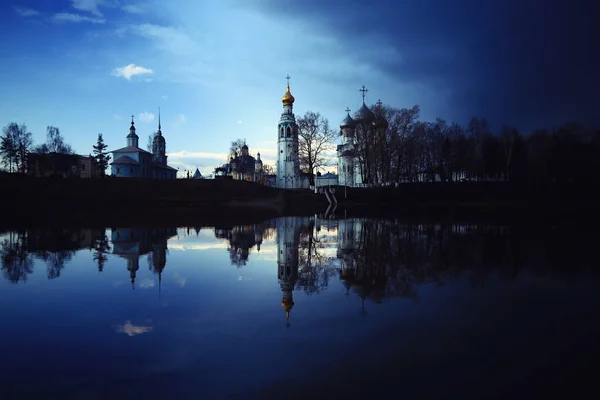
[
  {"x": 468, "y": 280},
  {"x": 131, "y": 244}
]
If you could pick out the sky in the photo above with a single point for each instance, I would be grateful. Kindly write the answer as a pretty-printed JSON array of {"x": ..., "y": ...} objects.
[{"x": 216, "y": 68}]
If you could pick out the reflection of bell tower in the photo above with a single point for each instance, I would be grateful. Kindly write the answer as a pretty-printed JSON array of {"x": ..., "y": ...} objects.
[
  {"x": 159, "y": 260},
  {"x": 288, "y": 241}
]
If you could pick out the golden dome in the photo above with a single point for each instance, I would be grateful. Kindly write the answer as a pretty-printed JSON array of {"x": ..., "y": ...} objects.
[
  {"x": 287, "y": 98},
  {"x": 287, "y": 305}
]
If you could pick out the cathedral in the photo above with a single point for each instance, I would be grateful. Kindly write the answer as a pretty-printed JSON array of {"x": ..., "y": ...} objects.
[
  {"x": 245, "y": 167},
  {"x": 133, "y": 162},
  {"x": 350, "y": 172},
  {"x": 288, "y": 161}
]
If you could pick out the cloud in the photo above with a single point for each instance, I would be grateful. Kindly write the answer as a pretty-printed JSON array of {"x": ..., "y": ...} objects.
[
  {"x": 163, "y": 97},
  {"x": 134, "y": 8},
  {"x": 167, "y": 38},
  {"x": 90, "y": 6},
  {"x": 470, "y": 66},
  {"x": 131, "y": 70},
  {"x": 147, "y": 284},
  {"x": 132, "y": 330},
  {"x": 180, "y": 120},
  {"x": 25, "y": 12},
  {"x": 198, "y": 246},
  {"x": 116, "y": 117},
  {"x": 69, "y": 17},
  {"x": 146, "y": 117}
]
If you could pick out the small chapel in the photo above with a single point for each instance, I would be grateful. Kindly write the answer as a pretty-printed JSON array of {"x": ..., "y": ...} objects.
[
  {"x": 134, "y": 162},
  {"x": 244, "y": 167}
]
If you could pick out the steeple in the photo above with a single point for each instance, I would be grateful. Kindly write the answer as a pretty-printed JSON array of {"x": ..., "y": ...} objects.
[
  {"x": 159, "y": 131},
  {"x": 132, "y": 138}
]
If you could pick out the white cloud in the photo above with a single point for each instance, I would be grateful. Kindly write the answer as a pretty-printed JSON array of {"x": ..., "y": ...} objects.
[
  {"x": 90, "y": 6},
  {"x": 147, "y": 284},
  {"x": 180, "y": 120},
  {"x": 132, "y": 330},
  {"x": 167, "y": 38},
  {"x": 69, "y": 17},
  {"x": 185, "y": 154},
  {"x": 134, "y": 8},
  {"x": 146, "y": 117},
  {"x": 25, "y": 12},
  {"x": 117, "y": 117},
  {"x": 131, "y": 70}
]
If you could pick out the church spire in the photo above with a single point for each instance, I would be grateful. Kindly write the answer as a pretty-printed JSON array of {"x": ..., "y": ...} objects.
[
  {"x": 159, "y": 132},
  {"x": 364, "y": 91}
]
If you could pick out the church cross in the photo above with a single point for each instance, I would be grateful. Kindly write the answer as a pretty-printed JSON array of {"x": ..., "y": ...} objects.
[
  {"x": 379, "y": 103},
  {"x": 364, "y": 91},
  {"x": 132, "y": 120},
  {"x": 347, "y": 110},
  {"x": 288, "y": 77}
]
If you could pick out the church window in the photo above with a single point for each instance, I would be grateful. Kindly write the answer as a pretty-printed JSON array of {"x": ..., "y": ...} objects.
[
  {"x": 131, "y": 171},
  {"x": 118, "y": 170},
  {"x": 289, "y": 131},
  {"x": 282, "y": 131}
]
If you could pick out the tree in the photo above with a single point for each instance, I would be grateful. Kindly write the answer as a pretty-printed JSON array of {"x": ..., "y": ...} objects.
[
  {"x": 268, "y": 169},
  {"x": 15, "y": 144},
  {"x": 55, "y": 143},
  {"x": 236, "y": 147},
  {"x": 151, "y": 140},
  {"x": 315, "y": 139},
  {"x": 102, "y": 158}
]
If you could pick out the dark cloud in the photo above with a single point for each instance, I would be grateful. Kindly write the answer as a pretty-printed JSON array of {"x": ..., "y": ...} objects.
[{"x": 525, "y": 62}]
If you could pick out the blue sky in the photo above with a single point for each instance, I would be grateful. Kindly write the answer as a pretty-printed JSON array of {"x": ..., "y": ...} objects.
[{"x": 217, "y": 68}]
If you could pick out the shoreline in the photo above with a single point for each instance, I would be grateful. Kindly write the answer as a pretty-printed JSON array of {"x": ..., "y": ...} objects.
[{"x": 37, "y": 201}]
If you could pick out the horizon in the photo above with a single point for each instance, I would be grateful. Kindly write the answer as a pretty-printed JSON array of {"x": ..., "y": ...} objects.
[{"x": 84, "y": 66}]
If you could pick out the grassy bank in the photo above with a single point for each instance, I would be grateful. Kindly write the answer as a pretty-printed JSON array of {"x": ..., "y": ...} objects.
[{"x": 141, "y": 202}]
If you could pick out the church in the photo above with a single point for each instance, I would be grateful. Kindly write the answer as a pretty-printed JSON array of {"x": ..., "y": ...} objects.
[
  {"x": 350, "y": 172},
  {"x": 245, "y": 167},
  {"x": 133, "y": 162}
]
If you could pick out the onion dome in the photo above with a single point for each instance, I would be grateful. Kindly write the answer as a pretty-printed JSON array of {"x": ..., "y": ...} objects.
[
  {"x": 348, "y": 122},
  {"x": 287, "y": 98},
  {"x": 364, "y": 115}
]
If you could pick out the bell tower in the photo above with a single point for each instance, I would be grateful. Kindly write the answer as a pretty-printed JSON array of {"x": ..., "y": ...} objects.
[{"x": 288, "y": 164}]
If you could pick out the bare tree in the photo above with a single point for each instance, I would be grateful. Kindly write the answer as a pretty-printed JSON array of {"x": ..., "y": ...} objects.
[
  {"x": 236, "y": 147},
  {"x": 55, "y": 142},
  {"x": 268, "y": 169},
  {"x": 315, "y": 140},
  {"x": 150, "y": 140}
]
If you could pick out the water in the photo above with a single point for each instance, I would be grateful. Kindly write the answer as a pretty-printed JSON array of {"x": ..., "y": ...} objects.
[{"x": 301, "y": 308}]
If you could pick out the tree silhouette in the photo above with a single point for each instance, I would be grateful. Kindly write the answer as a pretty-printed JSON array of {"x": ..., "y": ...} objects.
[
  {"x": 101, "y": 156},
  {"x": 17, "y": 262},
  {"x": 101, "y": 249},
  {"x": 15, "y": 144}
]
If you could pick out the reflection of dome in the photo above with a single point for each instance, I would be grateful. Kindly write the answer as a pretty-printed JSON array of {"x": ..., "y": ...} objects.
[
  {"x": 347, "y": 122},
  {"x": 364, "y": 115},
  {"x": 287, "y": 98},
  {"x": 287, "y": 306}
]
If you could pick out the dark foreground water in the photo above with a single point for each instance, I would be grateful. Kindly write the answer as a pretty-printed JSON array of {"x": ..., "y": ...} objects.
[{"x": 299, "y": 308}]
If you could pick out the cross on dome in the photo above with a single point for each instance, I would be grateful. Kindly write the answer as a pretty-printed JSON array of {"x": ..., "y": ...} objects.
[
  {"x": 364, "y": 91},
  {"x": 347, "y": 110}
]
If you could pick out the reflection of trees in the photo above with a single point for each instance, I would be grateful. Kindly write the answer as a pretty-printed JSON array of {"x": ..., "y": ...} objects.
[
  {"x": 315, "y": 267},
  {"x": 17, "y": 263},
  {"x": 101, "y": 251},
  {"x": 381, "y": 259},
  {"x": 55, "y": 247}
]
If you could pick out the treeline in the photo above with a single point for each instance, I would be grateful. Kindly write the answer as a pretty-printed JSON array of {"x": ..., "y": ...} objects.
[
  {"x": 16, "y": 146},
  {"x": 399, "y": 147}
]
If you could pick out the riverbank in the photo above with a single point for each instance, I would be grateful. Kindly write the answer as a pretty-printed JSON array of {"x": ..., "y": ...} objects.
[{"x": 146, "y": 202}]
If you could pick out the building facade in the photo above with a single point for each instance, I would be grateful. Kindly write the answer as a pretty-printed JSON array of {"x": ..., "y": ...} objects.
[
  {"x": 62, "y": 165},
  {"x": 133, "y": 162}
]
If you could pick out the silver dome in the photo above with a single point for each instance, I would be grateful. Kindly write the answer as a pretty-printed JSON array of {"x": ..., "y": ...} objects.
[
  {"x": 364, "y": 115},
  {"x": 347, "y": 123}
]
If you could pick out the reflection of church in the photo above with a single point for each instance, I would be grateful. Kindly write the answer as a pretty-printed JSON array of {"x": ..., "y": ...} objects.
[
  {"x": 131, "y": 244},
  {"x": 242, "y": 238}
]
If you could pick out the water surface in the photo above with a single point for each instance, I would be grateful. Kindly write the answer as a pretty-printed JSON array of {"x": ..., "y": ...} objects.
[{"x": 298, "y": 307}]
